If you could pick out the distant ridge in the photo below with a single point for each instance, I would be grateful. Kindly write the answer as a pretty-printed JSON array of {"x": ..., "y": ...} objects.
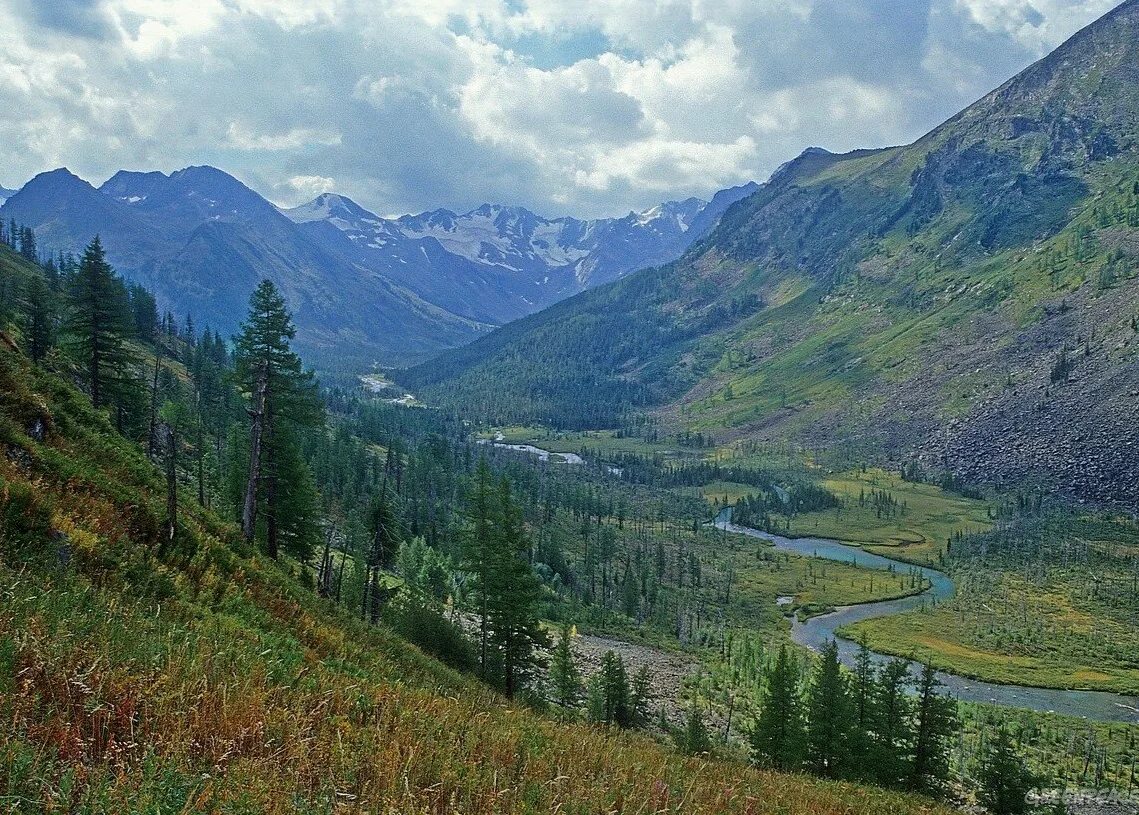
[{"x": 365, "y": 290}]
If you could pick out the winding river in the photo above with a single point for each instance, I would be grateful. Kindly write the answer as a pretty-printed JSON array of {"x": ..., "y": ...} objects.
[
  {"x": 816, "y": 631},
  {"x": 1097, "y": 705}
]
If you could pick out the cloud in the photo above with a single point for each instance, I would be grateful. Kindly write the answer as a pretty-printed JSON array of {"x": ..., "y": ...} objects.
[
  {"x": 596, "y": 107},
  {"x": 303, "y": 187},
  {"x": 238, "y": 136}
]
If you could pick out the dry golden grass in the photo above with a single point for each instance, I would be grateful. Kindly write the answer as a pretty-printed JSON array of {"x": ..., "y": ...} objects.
[{"x": 201, "y": 678}]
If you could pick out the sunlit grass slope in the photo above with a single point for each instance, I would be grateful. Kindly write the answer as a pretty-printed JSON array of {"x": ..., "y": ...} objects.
[{"x": 197, "y": 677}]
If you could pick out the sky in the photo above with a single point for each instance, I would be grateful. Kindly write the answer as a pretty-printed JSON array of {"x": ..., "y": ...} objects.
[{"x": 588, "y": 108}]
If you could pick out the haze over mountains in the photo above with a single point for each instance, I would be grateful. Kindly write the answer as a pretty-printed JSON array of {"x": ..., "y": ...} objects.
[
  {"x": 363, "y": 288},
  {"x": 968, "y": 299}
]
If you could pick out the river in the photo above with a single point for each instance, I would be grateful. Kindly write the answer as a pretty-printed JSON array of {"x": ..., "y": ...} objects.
[
  {"x": 813, "y": 633},
  {"x": 543, "y": 455}
]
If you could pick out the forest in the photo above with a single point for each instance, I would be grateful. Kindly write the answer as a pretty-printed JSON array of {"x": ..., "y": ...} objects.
[{"x": 492, "y": 563}]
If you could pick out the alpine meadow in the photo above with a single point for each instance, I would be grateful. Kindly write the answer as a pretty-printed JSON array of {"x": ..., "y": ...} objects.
[{"x": 776, "y": 479}]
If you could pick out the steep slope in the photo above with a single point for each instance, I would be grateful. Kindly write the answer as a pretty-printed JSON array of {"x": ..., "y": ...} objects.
[
  {"x": 911, "y": 300},
  {"x": 144, "y": 675}
]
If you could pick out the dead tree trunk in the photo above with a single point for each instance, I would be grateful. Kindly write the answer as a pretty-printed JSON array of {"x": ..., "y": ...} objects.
[
  {"x": 324, "y": 581},
  {"x": 152, "y": 435},
  {"x": 257, "y": 432},
  {"x": 171, "y": 481}
]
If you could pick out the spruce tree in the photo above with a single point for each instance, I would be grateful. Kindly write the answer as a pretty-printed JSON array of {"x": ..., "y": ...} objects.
[
  {"x": 936, "y": 724},
  {"x": 829, "y": 716},
  {"x": 777, "y": 740},
  {"x": 97, "y": 330},
  {"x": 1004, "y": 779},
  {"x": 565, "y": 679}
]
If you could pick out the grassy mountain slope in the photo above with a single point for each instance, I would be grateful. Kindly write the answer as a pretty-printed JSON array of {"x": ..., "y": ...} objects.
[
  {"x": 198, "y": 676},
  {"x": 915, "y": 298}
]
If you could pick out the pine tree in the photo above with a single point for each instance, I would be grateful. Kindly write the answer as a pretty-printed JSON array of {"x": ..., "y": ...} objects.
[
  {"x": 1004, "y": 779},
  {"x": 97, "y": 330},
  {"x": 565, "y": 679},
  {"x": 777, "y": 740},
  {"x": 936, "y": 724},
  {"x": 829, "y": 716}
]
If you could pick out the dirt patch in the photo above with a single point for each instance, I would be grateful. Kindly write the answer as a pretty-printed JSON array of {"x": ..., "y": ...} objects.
[{"x": 668, "y": 669}]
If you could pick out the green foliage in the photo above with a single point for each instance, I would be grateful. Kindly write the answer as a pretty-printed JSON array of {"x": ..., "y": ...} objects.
[
  {"x": 778, "y": 739},
  {"x": 609, "y": 698},
  {"x": 693, "y": 739},
  {"x": 1004, "y": 780},
  {"x": 97, "y": 328},
  {"x": 830, "y": 718},
  {"x": 565, "y": 679}
]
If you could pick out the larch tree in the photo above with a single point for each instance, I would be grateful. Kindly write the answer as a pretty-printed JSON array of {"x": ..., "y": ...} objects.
[
  {"x": 565, "y": 679},
  {"x": 512, "y": 595}
]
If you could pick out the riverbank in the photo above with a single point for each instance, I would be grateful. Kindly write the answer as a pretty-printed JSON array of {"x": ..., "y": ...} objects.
[{"x": 814, "y": 632}]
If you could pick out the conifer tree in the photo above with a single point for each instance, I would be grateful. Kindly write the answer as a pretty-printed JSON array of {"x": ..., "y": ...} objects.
[
  {"x": 1004, "y": 779},
  {"x": 97, "y": 330},
  {"x": 693, "y": 739},
  {"x": 609, "y": 701},
  {"x": 478, "y": 556},
  {"x": 565, "y": 679},
  {"x": 892, "y": 732},
  {"x": 829, "y": 716},
  {"x": 936, "y": 723},
  {"x": 279, "y": 391},
  {"x": 40, "y": 310},
  {"x": 513, "y": 593},
  {"x": 777, "y": 740}
]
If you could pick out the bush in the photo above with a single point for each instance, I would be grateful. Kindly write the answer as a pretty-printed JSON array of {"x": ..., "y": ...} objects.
[{"x": 435, "y": 635}]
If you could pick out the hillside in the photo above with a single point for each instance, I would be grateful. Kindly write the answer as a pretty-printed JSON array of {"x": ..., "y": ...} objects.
[
  {"x": 197, "y": 675},
  {"x": 967, "y": 299},
  {"x": 364, "y": 289}
]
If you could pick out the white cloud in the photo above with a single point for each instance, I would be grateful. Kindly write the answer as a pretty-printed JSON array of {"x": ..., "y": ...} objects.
[
  {"x": 1038, "y": 25},
  {"x": 302, "y": 188},
  {"x": 596, "y": 107},
  {"x": 239, "y": 137}
]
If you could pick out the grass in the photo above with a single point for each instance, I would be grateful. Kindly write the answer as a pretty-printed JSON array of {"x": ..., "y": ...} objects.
[
  {"x": 1004, "y": 628},
  {"x": 198, "y": 677},
  {"x": 926, "y": 518}
]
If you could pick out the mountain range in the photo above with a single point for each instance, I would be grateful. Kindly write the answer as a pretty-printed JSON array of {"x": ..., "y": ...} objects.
[
  {"x": 965, "y": 302},
  {"x": 364, "y": 289}
]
